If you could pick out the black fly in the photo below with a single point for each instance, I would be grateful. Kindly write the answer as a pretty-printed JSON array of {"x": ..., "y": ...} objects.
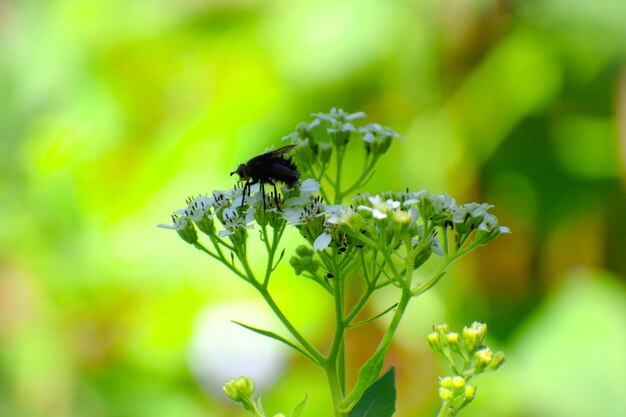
[{"x": 268, "y": 168}]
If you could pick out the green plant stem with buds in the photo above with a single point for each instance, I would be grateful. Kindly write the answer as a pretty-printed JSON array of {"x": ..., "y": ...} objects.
[{"x": 381, "y": 238}]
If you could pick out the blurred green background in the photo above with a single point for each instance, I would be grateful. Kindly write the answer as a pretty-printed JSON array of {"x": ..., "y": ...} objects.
[{"x": 113, "y": 112}]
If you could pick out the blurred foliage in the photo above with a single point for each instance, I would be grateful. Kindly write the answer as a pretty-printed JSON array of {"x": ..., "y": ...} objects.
[{"x": 114, "y": 111}]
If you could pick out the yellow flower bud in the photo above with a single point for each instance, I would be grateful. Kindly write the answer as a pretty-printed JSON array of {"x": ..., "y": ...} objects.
[
  {"x": 470, "y": 392},
  {"x": 434, "y": 341},
  {"x": 446, "y": 382},
  {"x": 473, "y": 336},
  {"x": 240, "y": 390},
  {"x": 454, "y": 340},
  {"x": 483, "y": 357},
  {"x": 458, "y": 382},
  {"x": 441, "y": 328},
  {"x": 401, "y": 217},
  {"x": 496, "y": 361},
  {"x": 445, "y": 394}
]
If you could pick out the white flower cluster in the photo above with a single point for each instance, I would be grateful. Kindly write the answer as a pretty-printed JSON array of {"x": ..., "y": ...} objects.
[{"x": 226, "y": 205}]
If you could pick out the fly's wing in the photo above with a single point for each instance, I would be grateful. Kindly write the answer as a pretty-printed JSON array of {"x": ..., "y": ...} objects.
[
  {"x": 262, "y": 161},
  {"x": 282, "y": 170},
  {"x": 277, "y": 153}
]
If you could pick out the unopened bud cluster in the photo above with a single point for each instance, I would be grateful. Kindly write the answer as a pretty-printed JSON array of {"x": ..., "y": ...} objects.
[
  {"x": 303, "y": 260},
  {"x": 241, "y": 391},
  {"x": 467, "y": 348}
]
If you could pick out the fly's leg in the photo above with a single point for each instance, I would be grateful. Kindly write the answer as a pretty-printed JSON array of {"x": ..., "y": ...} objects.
[
  {"x": 263, "y": 195},
  {"x": 276, "y": 196}
]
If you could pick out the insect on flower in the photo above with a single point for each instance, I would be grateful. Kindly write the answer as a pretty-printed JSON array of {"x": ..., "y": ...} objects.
[{"x": 268, "y": 168}]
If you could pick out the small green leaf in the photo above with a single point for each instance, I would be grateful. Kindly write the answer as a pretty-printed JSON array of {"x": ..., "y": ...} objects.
[
  {"x": 280, "y": 258},
  {"x": 379, "y": 400},
  {"x": 299, "y": 408},
  {"x": 361, "y": 323},
  {"x": 259, "y": 405},
  {"x": 275, "y": 336},
  {"x": 367, "y": 375}
]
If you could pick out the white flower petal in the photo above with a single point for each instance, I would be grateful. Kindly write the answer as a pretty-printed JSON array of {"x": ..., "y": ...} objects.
[
  {"x": 292, "y": 216},
  {"x": 229, "y": 212},
  {"x": 322, "y": 242},
  {"x": 357, "y": 115},
  {"x": 310, "y": 186},
  {"x": 379, "y": 214},
  {"x": 393, "y": 204}
]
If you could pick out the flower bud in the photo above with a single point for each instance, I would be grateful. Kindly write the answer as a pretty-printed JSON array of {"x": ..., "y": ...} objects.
[
  {"x": 401, "y": 218},
  {"x": 458, "y": 383},
  {"x": 400, "y": 221},
  {"x": 496, "y": 361},
  {"x": 296, "y": 264},
  {"x": 454, "y": 341},
  {"x": 446, "y": 382},
  {"x": 304, "y": 250},
  {"x": 353, "y": 223},
  {"x": 425, "y": 207},
  {"x": 442, "y": 328},
  {"x": 473, "y": 336},
  {"x": 469, "y": 393},
  {"x": 445, "y": 394},
  {"x": 325, "y": 151},
  {"x": 188, "y": 232},
  {"x": 241, "y": 390},
  {"x": 434, "y": 341},
  {"x": 206, "y": 224},
  {"x": 422, "y": 256},
  {"x": 382, "y": 144},
  {"x": 482, "y": 358},
  {"x": 304, "y": 154}
]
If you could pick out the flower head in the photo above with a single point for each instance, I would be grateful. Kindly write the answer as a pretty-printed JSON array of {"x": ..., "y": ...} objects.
[
  {"x": 234, "y": 221},
  {"x": 380, "y": 209},
  {"x": 377, "y": 138},
  {"x": 183, "y": 227}
]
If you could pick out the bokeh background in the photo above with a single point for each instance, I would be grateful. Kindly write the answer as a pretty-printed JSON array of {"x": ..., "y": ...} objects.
[{"x": 113, "y": 112}]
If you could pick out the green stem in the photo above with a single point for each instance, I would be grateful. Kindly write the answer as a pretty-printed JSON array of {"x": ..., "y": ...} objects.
[
  {"x": 281, "y": 316},
  {"x": 446, "y": 249},
  {"x": 385, "y": 342},
  {"x": 271, "y": 251},
  {"x": 364, "y": 174},
  {"x": 335, "y": 389},
  {"x": 445, "y": 407},
  {"x": 222, "y": 259},
  {"x": 360, "y": 304},
  {"x": 339, "y": 160},
  {"x": 436, "y": 275},
  {"x": 295, "y": 333}
]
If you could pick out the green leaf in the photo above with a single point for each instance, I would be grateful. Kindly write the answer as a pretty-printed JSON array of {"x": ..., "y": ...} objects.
[
  {"x": 299, "y": 408},
  {"x": 367, "y": 375},
  {"x": 275, "y": 336},
  {"x": 361, "y": 323},
  {"x": 379, "y": 400},
  {"x": 280, "y": 258}
]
